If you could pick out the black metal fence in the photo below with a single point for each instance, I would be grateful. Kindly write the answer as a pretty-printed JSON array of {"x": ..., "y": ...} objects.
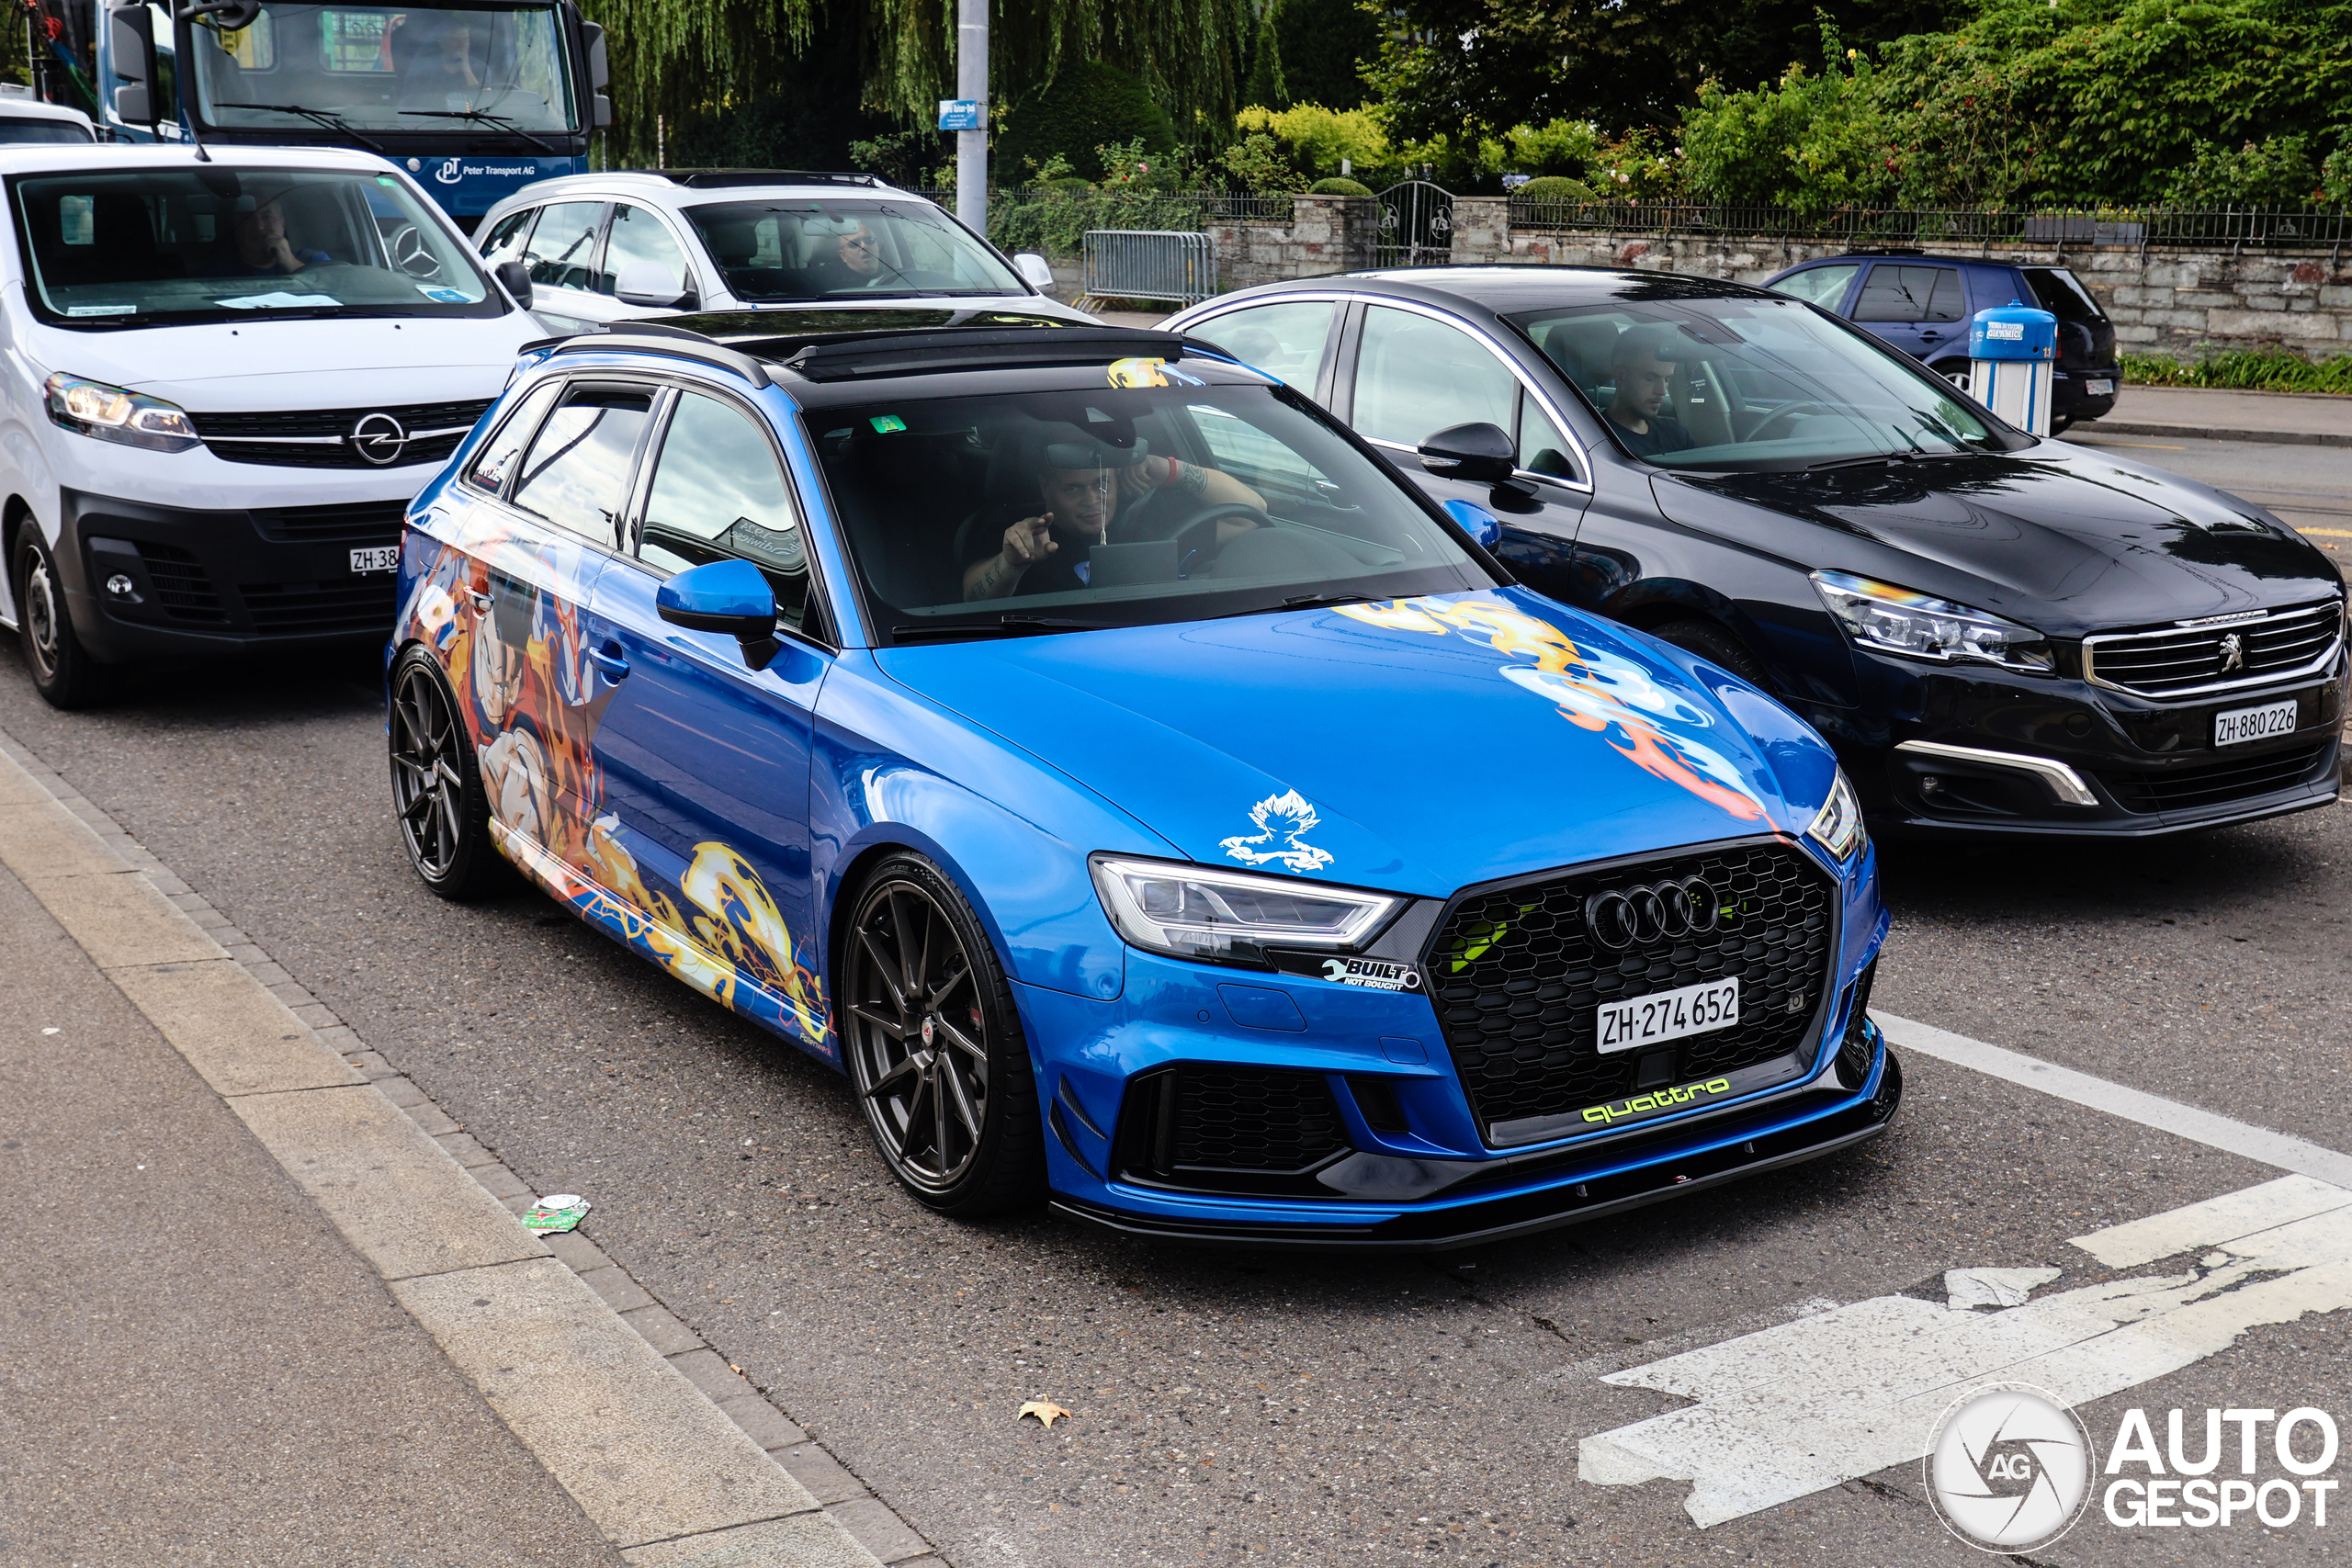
[{"x": 2296, "y": 228}]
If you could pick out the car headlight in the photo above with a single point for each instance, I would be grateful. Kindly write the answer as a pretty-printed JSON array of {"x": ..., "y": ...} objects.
[
  {"x": 1837, "y": 825},
  {"x": 110, "y": 414},
  {"x": 1229, "y": 916},
  {"x": 1896, "y": 620}
]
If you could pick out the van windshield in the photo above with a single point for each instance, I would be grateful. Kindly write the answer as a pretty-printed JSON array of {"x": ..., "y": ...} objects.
[
  {"x": 1744, "y": 384},
  {"x": 145, "y": 247},
  {"x": 825, "y": 248}
]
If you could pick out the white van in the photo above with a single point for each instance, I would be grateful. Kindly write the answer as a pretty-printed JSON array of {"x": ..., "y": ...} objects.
[
  {"x": 222, "y": 382},
  {"x": 24, "y": 118}
]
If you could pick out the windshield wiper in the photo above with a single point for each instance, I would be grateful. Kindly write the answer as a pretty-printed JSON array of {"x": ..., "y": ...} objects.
[
  {"x": 327, "y": 117},
  {"x": 1303, "y": 602},
  {"x": 486, "y": 118},
  {"x": 1004, "y": 625},
  {"x": 1883, "y": 457}
]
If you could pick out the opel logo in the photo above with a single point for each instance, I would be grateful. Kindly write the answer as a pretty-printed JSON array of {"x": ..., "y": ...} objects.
[
  {"x": 2232, "y": 653},
  {"x": 379, "y": 439},
  {"x": 1618, "y": 919}
]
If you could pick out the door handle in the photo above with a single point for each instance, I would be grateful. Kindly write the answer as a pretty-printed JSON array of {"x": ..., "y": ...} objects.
[
  {"x": 480, "y": 602},
  {"x": 609, "y": 660},
  {"x": 1932, "y": 337}
]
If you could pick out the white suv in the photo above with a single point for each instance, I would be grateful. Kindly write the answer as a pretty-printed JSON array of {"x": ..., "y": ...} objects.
[
  {"x": 223, "y": 383},
  {"x": 608, "y": 247}
]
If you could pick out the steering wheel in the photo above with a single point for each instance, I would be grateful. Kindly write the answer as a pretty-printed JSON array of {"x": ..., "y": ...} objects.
[
  {"x": 1787, "y": 412},
  {"x": 1197, "y": 528},
  {"x": 411, "y": 254}
]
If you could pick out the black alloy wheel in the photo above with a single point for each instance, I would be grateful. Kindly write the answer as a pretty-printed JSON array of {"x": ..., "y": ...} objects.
[
  {"x": 64, "y": 675},
  {"x": 436, "y": 784},
  {"x": 935, "y": 1048},
  {"x": 1710, "y": 641}
]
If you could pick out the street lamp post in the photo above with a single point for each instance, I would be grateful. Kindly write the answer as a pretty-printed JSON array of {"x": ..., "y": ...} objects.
[{"x": 972, "y": 85}]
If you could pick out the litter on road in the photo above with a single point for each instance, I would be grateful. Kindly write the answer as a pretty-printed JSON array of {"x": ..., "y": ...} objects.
[{"x": 555, "y": 1214}]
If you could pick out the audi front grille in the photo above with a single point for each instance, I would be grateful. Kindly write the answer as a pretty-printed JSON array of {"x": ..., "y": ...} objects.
[
  {"x": 2220, "y": 654},
  {"x": 1518, "y": 978}
]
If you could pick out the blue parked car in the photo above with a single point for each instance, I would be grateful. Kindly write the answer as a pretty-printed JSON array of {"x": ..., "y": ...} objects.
[
  {"x": 1134, "y": 785},
  {"x": 1922, "y": 304}
]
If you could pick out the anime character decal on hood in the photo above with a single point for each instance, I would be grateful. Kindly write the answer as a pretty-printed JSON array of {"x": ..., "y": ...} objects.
[
  {"x": 1594, "y": 690},
  {"x": 532, "y": 701}
]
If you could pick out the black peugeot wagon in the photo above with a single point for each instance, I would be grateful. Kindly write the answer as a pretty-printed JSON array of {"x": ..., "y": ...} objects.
[{"x": 1998, "y": 634}]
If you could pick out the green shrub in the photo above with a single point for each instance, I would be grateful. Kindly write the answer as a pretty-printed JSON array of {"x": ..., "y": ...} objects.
[
  {"x": 1257, "y": 164},
  {"x": 1087, "y": 106},
  {"x": 1555, "y": 187},
  {"x": 1314, "y": 141},
  {"x": 2243, "y": 370},
  {"x": 2278, "y": 170},
  {"x": 1338, "y": 188}
]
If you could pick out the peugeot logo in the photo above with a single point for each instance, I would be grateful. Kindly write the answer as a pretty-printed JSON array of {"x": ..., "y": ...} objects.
[
  {"x": 379, "y": 439},
  {"x": 2232, "y": 653},
  {"x": 1619, "y": 918}
]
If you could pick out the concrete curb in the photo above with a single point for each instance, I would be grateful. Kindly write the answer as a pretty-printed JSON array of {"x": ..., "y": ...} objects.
[
  {"x": 2203, "y": 432},
  {"x": 673, "y": 1456}
]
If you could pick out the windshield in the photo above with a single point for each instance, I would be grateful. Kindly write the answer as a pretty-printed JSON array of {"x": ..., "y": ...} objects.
[
  {"x": 140, "y": 247},
  {"x": 1751, "y": 384},
  {"x": 1123, "y": 505},
  {"x": 818, "y": 248},
  {"x": 476, "y": 70}
]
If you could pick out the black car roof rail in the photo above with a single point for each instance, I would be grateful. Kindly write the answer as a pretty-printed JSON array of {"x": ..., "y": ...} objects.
[
  {"x": 1888, "y": 251},
  {"x": 705, "y": 179},
  {"x": 653, "y": 337},
  {"x": 956, "y": 348}
]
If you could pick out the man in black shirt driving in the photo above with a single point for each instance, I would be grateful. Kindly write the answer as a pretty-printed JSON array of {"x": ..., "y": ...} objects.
[{"x": 1642, "y": 376}]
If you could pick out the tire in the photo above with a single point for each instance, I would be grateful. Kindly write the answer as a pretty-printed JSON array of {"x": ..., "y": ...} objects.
[
  {"x": 1957, "y": 377},
  {"x": 1710, "y": 642},
  {"x": 437, "y": 786},
  {"x": 934, "y": 1046},
  {"x": 2060, "y": 425},
  {"x": 64, "y": 674}
]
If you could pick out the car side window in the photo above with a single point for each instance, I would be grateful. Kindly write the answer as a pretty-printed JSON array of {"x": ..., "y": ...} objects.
[
  {"x": 577, "y": 472},
  {"x": 1541, "y": 448},
  {"x": 1822, "y": 286},
  {"x": 496, "y": 459},
  {"x": 1912, "y": 294},
  {"x": 1416, "y": 376},
  {"x": 505, "y": 241},
  {"x": 718, "y": 494},
  {"x": 563, "y": 244},
  {"x": 1284, "y": 341},
  {"x": 638, "y": 237}
]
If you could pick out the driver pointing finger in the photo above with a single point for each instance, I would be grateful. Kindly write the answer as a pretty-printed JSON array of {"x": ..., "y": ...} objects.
[{"x": 1087, "y": 485}]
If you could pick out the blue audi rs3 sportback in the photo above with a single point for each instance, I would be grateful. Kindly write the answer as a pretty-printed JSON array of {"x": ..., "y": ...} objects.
[{"x": 1141, "y": 792}]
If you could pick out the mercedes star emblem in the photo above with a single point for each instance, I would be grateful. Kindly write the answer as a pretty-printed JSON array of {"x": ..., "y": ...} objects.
[{"x": 379, "y": 439}]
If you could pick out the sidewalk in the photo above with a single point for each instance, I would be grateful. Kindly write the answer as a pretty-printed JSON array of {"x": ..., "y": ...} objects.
[
  {"x": 2315, "y": 419},
  {"x": 194, "y": 1365}
]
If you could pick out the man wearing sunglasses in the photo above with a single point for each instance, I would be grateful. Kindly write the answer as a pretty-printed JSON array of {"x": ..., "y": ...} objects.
[{"x": 857, "y": 260}]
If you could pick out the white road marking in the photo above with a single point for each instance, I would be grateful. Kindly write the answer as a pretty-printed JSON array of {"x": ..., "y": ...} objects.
[
  {"x": 1844, "y": 1393},
  {"x": 1965, "y": 1289},
  {"x": 2280, "y": 1149}
]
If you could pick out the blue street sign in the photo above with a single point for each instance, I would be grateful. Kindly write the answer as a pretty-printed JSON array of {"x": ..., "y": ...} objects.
[{"x": 960, "y": 114}]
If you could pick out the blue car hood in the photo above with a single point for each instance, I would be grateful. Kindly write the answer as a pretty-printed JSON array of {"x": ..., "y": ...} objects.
[{"x": 1418, "y": 745}]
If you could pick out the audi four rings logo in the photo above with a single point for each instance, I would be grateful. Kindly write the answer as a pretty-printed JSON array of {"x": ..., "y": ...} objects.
[
  {"x": 1620, "y": 918},
  {"x": 379, "y": 439}
]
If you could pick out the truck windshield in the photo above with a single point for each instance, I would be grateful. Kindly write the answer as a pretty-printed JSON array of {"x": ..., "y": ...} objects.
[
  {"x": 144, "y": 247},
  {"x": 477, "y": 69},
  {"x": 1752, "y": 384},
  {"x": 811, "y": 248}
]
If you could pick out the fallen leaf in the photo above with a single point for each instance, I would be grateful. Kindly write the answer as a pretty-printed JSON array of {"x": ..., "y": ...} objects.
[{"x": 1045, "y": 1410}]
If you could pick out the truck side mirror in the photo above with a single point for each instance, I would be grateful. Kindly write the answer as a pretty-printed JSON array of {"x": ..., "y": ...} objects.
[{"x": 131, "y": 42}]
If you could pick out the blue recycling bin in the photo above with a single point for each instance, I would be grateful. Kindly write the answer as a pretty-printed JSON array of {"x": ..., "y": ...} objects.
[{"x": 2012, "y": 352}]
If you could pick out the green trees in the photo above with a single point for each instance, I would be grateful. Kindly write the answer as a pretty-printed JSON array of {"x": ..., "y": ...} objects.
[{"x": 1085, "y": 106}]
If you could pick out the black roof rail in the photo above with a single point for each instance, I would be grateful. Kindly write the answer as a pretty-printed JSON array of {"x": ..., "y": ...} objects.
[
  {"x": 703, "y": 180},
  {"x": 850, "y": 357},
  {"x": 653, "y": 337},
  {"x": 1888, "y": 251}
]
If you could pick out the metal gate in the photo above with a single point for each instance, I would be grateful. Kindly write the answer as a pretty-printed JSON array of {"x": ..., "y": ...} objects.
[
  {"x": 1416, "y": 226},
  {"x": 1135, "y": 263}
]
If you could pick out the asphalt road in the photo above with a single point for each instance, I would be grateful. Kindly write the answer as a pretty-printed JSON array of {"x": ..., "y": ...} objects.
[{"x": 1274, "y": 1408}]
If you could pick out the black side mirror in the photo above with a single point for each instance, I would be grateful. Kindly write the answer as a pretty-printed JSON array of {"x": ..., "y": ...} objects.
[
  {"x": 134, "y": 44},
  {"x": 515, "y": 278},
  {"x": 1474, "y": 453}
]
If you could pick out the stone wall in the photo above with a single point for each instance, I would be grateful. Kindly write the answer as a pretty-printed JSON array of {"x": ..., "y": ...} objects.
[{"x": 2169, "y": 300}]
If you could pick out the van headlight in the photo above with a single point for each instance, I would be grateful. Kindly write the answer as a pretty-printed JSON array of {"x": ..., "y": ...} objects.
[
  {"x": 1225, "y": 916},
  {"x": 1837, "y": 825},
  {"x": 1896, "y": 620},
  {"x": 110, "y": 414}
]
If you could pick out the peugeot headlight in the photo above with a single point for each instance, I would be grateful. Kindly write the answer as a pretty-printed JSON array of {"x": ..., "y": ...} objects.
[
  {"x": 1896, "y": 620},
  {"x": 110, "y": 414},
  {"x": 1837, "y": 825},
  {"x": 1229, "y": 917}
]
